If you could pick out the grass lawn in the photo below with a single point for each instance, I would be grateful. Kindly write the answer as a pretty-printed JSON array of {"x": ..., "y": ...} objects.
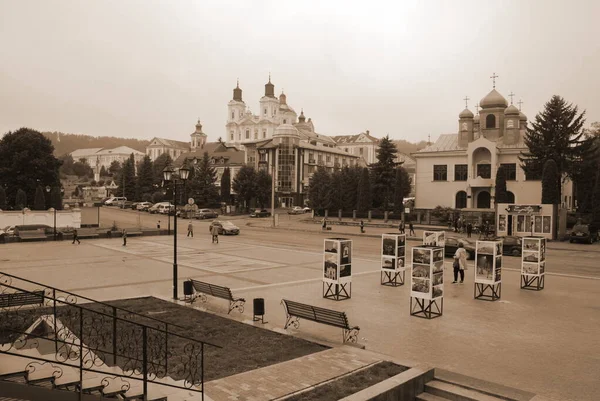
[{"x": 351, "y": 384}]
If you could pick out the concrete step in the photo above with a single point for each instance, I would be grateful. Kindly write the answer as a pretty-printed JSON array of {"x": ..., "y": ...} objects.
[
  {"x": 456, "y": 393},
  {"x": 429, "y": 397}
]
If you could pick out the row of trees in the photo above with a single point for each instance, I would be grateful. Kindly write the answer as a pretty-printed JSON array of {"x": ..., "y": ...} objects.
[
  {"x": 382, "y": 185},
  {"x": 250, "y": 184}
]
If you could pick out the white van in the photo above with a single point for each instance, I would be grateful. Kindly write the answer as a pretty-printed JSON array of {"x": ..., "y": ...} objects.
[
  {"x": 161, "y": 207},
  {"x": 115, "y": 200}
]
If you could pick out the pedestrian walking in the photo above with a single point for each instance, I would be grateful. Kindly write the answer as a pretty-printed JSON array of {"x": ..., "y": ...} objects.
[
  {"x": 76, "y": 237},
  {"x": 460, "y": 263},
  {"x": 124, "y": 237},
  {"x": 324, "y": 224},
  {"x": 411, "y": 228},
  {"x": 215, "y": 234},
  {"x": 362, "y": 226},
  {"x": 401, "y": 227},
  {"x": 469, "y": 230},
  {"x": 190, "y": 229},
  {"x": 158, "y": 225}
]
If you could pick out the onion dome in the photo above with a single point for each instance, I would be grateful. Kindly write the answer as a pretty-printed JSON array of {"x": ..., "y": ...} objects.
[
  {"x": 466, "y": 113},
  {"x": 301, "y": 119},
  {"x": 522, "y": 117},
  {"x": 269, "y": 88},
  {"x": 282, "y": 98},
  {"x": 493, "y": 99},
  {"x": 511, "y": 111},
  {"x": 476, "y": 119},
  {"x": 237, "y": 92}
]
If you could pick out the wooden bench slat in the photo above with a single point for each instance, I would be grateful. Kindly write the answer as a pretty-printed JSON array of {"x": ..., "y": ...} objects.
[{"x": 21, "y": 298}]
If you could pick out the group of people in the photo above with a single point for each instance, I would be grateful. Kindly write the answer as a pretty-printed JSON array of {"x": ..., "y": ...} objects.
[
  {"x": 76, "y": 237},
  {"x": 214, "y": 231},
  {"x": 461, "y": 226}
]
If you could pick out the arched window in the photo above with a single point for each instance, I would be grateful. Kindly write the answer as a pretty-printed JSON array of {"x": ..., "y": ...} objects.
[
  {"x": 510, "y": 197},
  {"x": 483, "y": 200},
  {"x": 490, "y": 121},
  {"x": 461, "y": 200}
]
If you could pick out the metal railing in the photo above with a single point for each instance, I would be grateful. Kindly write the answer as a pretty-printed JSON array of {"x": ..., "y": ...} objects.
[{"x": 95, "y": 337}]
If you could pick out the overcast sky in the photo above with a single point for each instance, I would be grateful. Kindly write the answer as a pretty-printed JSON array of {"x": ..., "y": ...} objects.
[{"x": 151, "y": 68}]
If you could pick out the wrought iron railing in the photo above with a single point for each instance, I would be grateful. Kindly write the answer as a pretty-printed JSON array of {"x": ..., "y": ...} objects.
[{"x": 95, "y": 336}]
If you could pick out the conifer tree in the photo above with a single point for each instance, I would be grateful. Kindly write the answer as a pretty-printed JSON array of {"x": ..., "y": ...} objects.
[
  {"x": 2, "y": 198},
  {"x": 556, "y": 134},
  {"x": 145, "y": 179},
  {"x": 365, "y": 200},
  {"x": 401, "y": 189},
  {"x": 244, "y": 184},
  {"x": 384, "y": 173},
  {"x": 263, "y": 188},
  {"x": 159, "y": 165},
  {"x": 56, "y": 198},
  {"x": 335, "y": 192},
  {"x": 350, "y": 177},
  {"x": 550, "y": 188},
  {"x": 103, "y": 172},
  {"x": 226, "y": 185},
  {"x": 501, "y": 191},
  {"x": 20, "y": 199},
  {"x": 318, "y": 190},
  {"x": 202, "y": 183},
  {"x": 596, "y": 200},
  {"x": 126, "y": 179},
  {"x": 39, "y": 202}
]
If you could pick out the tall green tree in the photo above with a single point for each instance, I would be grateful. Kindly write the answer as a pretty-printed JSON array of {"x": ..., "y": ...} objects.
[
  {"x": 126, "y": 180},
  {"x": 202, "y": 183},
  {"x": 501, "y": 191},
  {"x": 550, "y": 183},
  {"x": 56, "y": 198},
  {"x": 596, "y": 199},
  {"x": 244, "y": 184},
  {"x": 115, "y": 168},
  {"x": 226, "y": 185},
  {"x": 264, "y": 184},
  {"x": 26, "y": 156},
  {"x": 350, "y": 177},
  {"x": 2, "y": 198},
  {"x": 365, "y": 199},
  {"x": 159, "y": 165},
  {"x": 336, "y": 191},
  {"x": 20, "y": 199},
  {"x": 557, "y": 134},
  {"x": 103, "y": 172},
  {"x": 39, "y": 202},
  {"x": 384, "y": 173},
  {"x": 318, "y": 190},
  {"x": 67, "y": 164},
  {"x": 401, "y": 189},
  {"x": 144, "y": 179},
  {"x": 585, "y": 178}
]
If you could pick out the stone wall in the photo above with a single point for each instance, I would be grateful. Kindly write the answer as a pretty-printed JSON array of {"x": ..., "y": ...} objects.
[{"x": 64, "y": 218}]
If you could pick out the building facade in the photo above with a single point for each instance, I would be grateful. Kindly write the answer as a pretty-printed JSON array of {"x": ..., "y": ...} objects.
[
  {"x": 362, "y": 145},
  {"x": 102, "y": 157},
  {"x": 158, "y": 146},
  {"x": 459, "y": 170}
]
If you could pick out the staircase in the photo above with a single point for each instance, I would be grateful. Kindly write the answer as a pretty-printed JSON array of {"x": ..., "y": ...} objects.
[{"x": 455, "y": 387}]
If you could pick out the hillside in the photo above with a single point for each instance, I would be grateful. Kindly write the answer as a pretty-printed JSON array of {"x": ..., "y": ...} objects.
[
  {"x": 409, "y": 147},
  {"x": 66, "y": 143}
]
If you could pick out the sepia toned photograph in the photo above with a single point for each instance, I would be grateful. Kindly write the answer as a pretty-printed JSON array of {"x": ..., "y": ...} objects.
[
  {"x": 485, "y": 267},
  {"x": 421, "y": 285},
  {"x": 401, "y": 251},
  {"x": 502, "y": 223},
  {"x": 420, "y": 271},
  {"x": 438, "y": 254},
  {"x": 485, "y": 247},
  {"x": 330, "y": 267},
  {"x": 345, "y": 270},
  {"x": 401, "y": 240},
  {"x": 499, "y": 248},
  {"x": 499, "y": 261},
  {"x": 531, "y": 244},
  {"x": 388, "y": 246},
  {"x": 530, "y": 268},
  {"x": 331, "y": 246},
  {"x": 421, "y": 255},
  {"x": 400, "y": 262},
  {"x": 430, "y": 238},
  {"x": 346, "y": 252},
  {"x": 438, "y": 278},
  {"x": 388, "y": 263},
  {"x": 542, "y": 267},
  {"x": 543, "y": 249},
  {"x": 438, "y": 291},
  {"x": 531, "y": 256},
  {"x": 438, "y": 266},
  {"x": 498, "y": 274}
]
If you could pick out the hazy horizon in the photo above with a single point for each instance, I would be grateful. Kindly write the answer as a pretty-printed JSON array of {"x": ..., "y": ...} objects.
[{"x": 141, "y": 69}]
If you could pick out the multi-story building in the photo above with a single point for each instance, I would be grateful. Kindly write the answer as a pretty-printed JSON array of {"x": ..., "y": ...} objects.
[
  {"x": 362, "y": 145},
  {"x": 459, "y": 170},
  {"x": 173, "y": 148},
  {"x": 101, "y": 157}
]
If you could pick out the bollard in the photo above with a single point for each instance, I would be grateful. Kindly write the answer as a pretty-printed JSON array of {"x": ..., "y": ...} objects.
[
  {"x": 326, "y": 213},
  {"x": 369, "y": 216},
  {"x": 385, "y": 216},
  {"x": 354, "y": 215},
  {"x": 340, "y": 214}
]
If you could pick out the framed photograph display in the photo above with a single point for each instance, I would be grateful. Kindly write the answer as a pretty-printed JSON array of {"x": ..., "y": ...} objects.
[
  {"x": 488, "y": 270},
  {"x": 434, "y": 238},
  {"x": 393, "y": 259},
  {"x": 337, "y": 268},
  {"x": 427, "y": 282},
  {"x": 533, "y": 263}
]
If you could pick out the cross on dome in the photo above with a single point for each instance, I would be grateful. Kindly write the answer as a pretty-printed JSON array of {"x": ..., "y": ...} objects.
[
  {"x": 520, "y": 102},
  {"x": 494, "y": 76},
  {"x": 466, "y": 99},
  {"x": 477, "y": 108},
  {"x": 511, "y": 95}
]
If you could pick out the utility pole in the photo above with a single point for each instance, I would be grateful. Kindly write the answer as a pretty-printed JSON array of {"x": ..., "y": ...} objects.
[{"x": 273, "y": 189}]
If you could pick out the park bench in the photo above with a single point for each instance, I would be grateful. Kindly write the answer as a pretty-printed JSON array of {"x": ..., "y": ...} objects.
[
  {"x": 11, "y": 299},
  {"x": 32, "y": 235},
  {"x": 297, "y": 310},
  {"x": 202, "y": 289}
]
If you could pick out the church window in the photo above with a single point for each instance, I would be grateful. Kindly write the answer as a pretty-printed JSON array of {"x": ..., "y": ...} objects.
[
  {"x": 239, "y": 136},
  {"x": 231, "y": 135},
  {"x": 255, "y": 134},
  {"x": 510, "y": 124},
  {"x": 265, "y": 113},
  {"x": 264, "y": 133},
  {"x": 484, "y": 170},
  {"x": 460, "y": 172},
  {"x": 232, "y": 115},
  {"x": 284, "y": 121},
  {"x": 461, "y": 200},
  {"x": 510, "y": 169},
  {"x": 440, "y": 172},
  {"x": 247, "y": 134},
  {"x": 360, "y": 151},
  {"x": 490, "y": 121}
]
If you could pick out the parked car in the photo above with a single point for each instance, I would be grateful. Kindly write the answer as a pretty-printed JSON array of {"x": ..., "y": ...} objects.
[
  {"x": 7, "y": 231},
  {"x": 143, "y": 206},
  {"x": 155, "y": 208},
  {"x": 225, "y": 227},
  {"x": 125, "y": 204},
  {"x": 511, "y": 245},
  {"x": 307, "y": 209},
  {"x": 296, "y": 210},
  {"x": 260, "y": 213},
  {"x": 202, "y": 214},
  {"x": 115, "y": 200},
  {"x": 451, "y": 246},
  {"x": 587, "y": 233},
  {"x": 165, "y": 208}
]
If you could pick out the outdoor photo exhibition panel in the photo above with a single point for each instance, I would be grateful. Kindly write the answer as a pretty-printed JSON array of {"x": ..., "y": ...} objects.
[
  {"x": 337, "y": 268},
  {"x": 488, "y": 270},
  {"x": 427, "y": 282},
  {"x": 434, "y": 238},
  {"x": 393, "y": 259},
  {"x": 533, "y": 263}
]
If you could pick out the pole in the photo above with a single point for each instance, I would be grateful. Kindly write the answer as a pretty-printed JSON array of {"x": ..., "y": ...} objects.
[
  {"x": 174, "y": 240},
  {"x": 54, "y": 224},
  {"x": 98, "y": 216},
  {"x": 273, "y": 190}
]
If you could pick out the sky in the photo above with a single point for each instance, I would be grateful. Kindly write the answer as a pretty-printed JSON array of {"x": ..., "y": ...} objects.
[{"x": 151, "y": 68}]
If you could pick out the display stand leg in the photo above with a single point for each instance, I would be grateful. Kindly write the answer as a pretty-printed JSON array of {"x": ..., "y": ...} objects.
[
  {"x": 426, "y": 308},
  {"x": 534, "y": 283},
  {"x": 337, "y": 292},
  {"x": 488, "y": 292},
  {"x": 392, "y": 279}
]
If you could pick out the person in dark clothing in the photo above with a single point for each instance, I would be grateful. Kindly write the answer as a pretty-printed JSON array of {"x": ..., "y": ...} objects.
[
  {"x": 124, "y": 237},
  {"x": 401, "y": 227},
  {"x": 411, "y": 228},
  {"x": 469, "y": 230},
  {"x": 76, "y": 237},
  {"x": 190, "y": 230},
  {"x": 362, "y": 226}
]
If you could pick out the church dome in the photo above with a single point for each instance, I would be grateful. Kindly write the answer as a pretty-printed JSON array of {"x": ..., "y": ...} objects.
[
  {"x": 466, "y": 113},
  {"x": 511, "y": 111},
  {"x": 286, "y": 130},
  {"x": 476, "y": 119},
  {"x": 522, "y": 116},
  {"x": 493, "y": 99}
]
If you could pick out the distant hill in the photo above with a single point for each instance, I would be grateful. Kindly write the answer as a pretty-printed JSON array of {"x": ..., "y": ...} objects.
[
  {"x": 409, "y": 147},
  {"x": 66, "y": 143}
]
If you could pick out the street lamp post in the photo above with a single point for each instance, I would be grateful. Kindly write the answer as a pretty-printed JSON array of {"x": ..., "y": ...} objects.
[
  {"x": 48, "y": 189},
  {"x": 168, "y": 175}
]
